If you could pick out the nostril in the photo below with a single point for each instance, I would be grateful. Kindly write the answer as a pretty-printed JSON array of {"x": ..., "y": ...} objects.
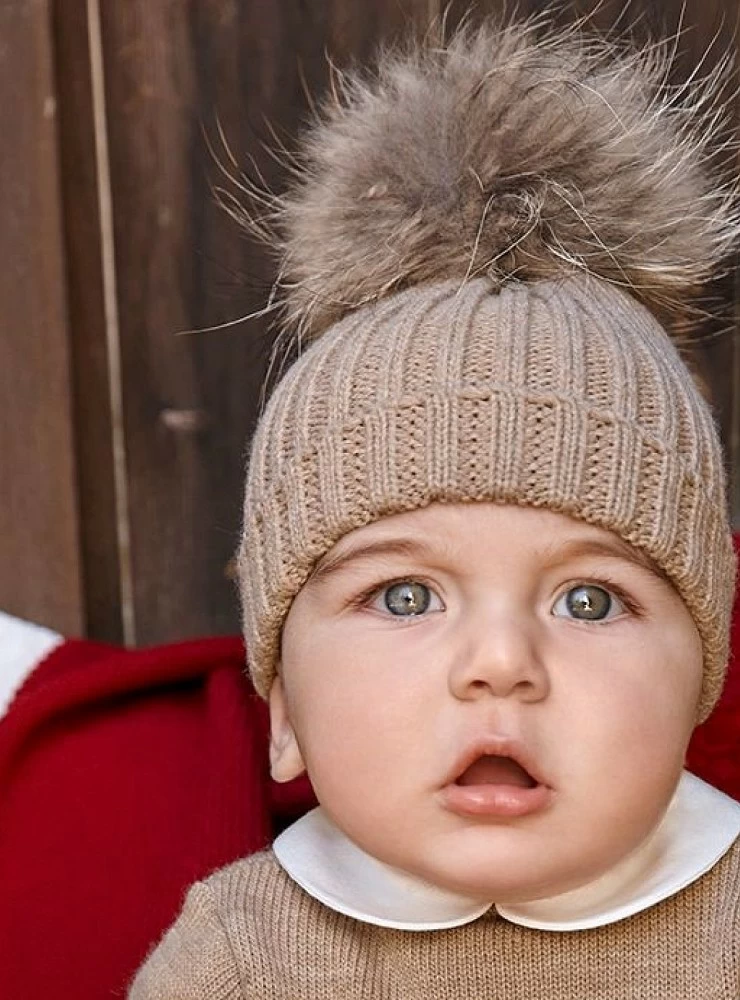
[
  {"x": 500, "y": 673},
  {"x": 482, "y": 685}
]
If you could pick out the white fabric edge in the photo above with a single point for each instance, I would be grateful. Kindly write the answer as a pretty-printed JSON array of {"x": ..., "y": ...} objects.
[
  {"x": 23, "y": 645},
  {"x": 339, "y": 907},
  {"x": 314, "y": 844}
]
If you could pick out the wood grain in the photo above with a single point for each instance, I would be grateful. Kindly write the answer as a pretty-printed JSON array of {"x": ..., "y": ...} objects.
[
  {"x": 40, "y": 571},
  {"x": 174, "y": 70},
  {"x": 100, "y": 542}
]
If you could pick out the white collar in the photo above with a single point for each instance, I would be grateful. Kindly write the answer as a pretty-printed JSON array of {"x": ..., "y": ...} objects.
[{"x": 699, "y": 827}]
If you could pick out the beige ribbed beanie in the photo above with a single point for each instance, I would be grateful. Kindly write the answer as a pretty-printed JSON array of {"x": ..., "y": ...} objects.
[{"x": 492, "y": 259}]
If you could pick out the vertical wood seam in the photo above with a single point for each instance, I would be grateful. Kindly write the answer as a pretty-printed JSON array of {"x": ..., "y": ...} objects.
[{"x": 112, "y": 328}]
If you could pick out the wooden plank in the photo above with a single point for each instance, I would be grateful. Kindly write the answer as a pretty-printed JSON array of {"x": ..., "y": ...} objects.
[
  {"x": 40, "y": 573},
  {"x": 100, "y": 542},
  {"x": 172, "y": 70}
]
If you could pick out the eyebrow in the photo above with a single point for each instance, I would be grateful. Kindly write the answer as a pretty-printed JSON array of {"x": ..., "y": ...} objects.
[
  {"x": 419, "y": 549},
  {"x": 612, "y": 549},
  {"x": 406, "y": 548}
]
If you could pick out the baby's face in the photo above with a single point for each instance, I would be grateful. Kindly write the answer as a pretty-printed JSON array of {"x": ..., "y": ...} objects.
[{"x": 496, "y": 699}]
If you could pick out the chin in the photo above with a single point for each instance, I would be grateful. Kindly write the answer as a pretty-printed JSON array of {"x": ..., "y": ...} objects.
[
  {"x": 485, "y": 882},
  {"x": 507, "y": 880}
]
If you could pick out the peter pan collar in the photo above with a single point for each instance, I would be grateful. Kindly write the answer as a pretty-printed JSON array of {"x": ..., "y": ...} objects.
[{"x": 699, "y": 827}]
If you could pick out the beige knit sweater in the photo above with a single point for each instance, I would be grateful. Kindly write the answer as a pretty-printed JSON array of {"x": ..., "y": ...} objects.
[{"x": 250, "y": 932}]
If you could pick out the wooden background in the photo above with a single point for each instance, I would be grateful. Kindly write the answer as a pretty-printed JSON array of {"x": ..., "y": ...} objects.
[{"x": 122, "y": 445}]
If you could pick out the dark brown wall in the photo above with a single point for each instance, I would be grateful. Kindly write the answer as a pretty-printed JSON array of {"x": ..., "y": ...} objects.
[
  {"x": 123, "y": 444},
  {"x": 40, "y": 571}
]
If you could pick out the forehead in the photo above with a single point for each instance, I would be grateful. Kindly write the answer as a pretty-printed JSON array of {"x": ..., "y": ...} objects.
[{"x": 479, "y": 532}]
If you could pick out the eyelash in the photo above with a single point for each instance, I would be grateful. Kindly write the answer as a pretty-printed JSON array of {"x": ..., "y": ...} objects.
[
  {"x": 363, "y": 599},
  {"x": 606, "y": 583}
]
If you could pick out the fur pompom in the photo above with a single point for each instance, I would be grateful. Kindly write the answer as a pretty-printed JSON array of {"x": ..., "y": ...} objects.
[{"x": 512, "y": 153}]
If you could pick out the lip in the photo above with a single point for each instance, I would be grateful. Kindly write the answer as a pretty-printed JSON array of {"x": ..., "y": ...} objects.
[{"x": 495, "y": 800}]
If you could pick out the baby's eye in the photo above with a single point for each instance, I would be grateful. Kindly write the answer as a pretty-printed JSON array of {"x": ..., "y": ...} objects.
[
  {"x": 588, "y": 603},
  {"x": 407, "y": 598}
]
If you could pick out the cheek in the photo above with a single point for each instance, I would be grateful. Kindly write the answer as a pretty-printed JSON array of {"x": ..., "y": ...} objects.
[
  {"x": 637, "y": 711},
  {"x": 673, "y": 679},
  {"x": 356, "y": 713},
  {"x": 353, "y": 672}
]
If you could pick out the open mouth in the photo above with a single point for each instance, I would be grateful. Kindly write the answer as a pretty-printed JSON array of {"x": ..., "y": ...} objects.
[
  {"x": 493, "y": 781},
  {"x": 495, "y": 769}
]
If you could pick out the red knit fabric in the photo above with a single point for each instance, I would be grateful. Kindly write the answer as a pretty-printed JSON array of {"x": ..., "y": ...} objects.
[{"x": 125, "y": 776}]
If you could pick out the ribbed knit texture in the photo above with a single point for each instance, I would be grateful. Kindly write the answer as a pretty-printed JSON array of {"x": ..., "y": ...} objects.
[
  {"x": 563, "y": 394},
  {"x": 250, "y": 933}
]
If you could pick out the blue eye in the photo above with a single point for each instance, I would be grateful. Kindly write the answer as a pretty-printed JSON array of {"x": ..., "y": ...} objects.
[
  {"x": 406, "y": 599},
  {"x": 588, "y": 603}
]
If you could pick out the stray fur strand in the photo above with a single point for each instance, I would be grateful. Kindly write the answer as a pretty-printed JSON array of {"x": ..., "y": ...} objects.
[{"x": 510, "y": 153}]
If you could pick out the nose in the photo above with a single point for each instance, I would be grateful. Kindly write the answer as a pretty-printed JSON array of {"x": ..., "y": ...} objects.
[{"x": 500, "y": 657}]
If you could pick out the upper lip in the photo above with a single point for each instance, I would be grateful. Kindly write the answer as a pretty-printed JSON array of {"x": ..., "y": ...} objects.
[{"x": 495, "y": 746}]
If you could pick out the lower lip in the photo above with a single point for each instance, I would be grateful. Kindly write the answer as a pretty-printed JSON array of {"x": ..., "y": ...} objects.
[{"x": 495, "y": 800}]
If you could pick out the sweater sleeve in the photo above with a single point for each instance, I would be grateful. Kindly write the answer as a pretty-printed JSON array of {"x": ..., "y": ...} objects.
[{"x": 194, "y": 960}]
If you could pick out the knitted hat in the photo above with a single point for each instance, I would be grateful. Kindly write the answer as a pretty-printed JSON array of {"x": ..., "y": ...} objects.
[{"x": 490, "y": 244}]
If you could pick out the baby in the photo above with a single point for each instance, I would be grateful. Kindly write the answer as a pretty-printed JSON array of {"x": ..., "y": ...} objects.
[{"x": 486, "y": 567}]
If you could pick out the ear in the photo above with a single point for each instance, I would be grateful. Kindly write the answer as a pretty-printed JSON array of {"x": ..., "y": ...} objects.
[{"x": 286, "y": 760}]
